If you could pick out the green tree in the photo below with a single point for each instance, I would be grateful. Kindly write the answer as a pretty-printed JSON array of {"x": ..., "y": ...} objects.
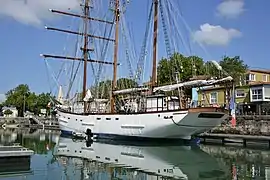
[
  {"x": 186, "y": 66},
  {"x": 42, "y": 101},
  {"x": 8, "y": 112},
  {"x": 211, "y": 70},
  {"x": 103, "y": 89},
  {"x": 125, "y": 83},
  {"x": 31, "y": 102},
  {"x": 234, "y": 66},
  {"x": 21, "y": 96},
  {"x": 17, "y": 96}
]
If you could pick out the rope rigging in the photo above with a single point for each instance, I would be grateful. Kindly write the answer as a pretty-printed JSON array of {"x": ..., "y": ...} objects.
[
  {"x": 63, "y": 66},
  {"x": 140, "y": 64},
  {"x": 73, "y": 74},
  {"x": 172, "y": 38},
  {"x": 166, "y": 36},
  {"x": 102, "y": 55},
  {"x": 125, "y": 37},
  {"x": 127, "y": 53}
]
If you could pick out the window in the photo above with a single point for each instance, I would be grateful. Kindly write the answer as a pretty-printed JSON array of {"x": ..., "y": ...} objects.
[
  {"x": 240, "y": 93},
  {"x": 264, "y": 78},
  {"x": 257, "y": 94},
  {"x": 213, "y": 98},
  {"x": 252, "y": 77}
]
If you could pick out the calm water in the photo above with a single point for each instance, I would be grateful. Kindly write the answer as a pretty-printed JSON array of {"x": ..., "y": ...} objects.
[{"x": 66, "y": 159}]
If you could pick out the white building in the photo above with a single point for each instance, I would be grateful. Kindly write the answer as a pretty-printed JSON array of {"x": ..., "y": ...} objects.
[
  {"x": 260, "y": 93},
  {"x": 13, "y": 109}
]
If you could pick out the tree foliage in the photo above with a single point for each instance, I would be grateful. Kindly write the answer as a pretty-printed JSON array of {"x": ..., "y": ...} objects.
[
  {"x": 103, "y": 89},
  {"x": 8, "y": 112},
  {"x": 234, "y": 66},
  {"x": 194, "y": 66},
  {"x": 186, "y": 66},
  {"x": 42, "y": 101},
  {"x": 125, "y": 83},
  {"x": 21, "y": 95}
]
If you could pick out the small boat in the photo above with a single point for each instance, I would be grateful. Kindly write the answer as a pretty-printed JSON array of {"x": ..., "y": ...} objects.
[{"x": 10, "y": 126}]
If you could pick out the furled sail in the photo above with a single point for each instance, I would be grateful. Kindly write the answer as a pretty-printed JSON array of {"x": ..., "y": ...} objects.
[
  {"x": 130, "y": 90},
  {"x": 194, "y": 83}
]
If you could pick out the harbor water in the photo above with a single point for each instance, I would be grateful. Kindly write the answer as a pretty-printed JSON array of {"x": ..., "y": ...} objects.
[{"x": 62, "y": 158}]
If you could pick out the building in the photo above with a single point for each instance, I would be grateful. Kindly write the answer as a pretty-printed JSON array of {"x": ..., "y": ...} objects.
[
  {"x": 12, "y": 109},
  {"x": 252, "y": 94}
]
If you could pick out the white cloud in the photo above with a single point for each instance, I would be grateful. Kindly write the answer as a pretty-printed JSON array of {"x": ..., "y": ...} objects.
[
  {"x": 231, "y": 8},
  {"x": 34, "y": 11},
  {"x": 215, "y": 35}
]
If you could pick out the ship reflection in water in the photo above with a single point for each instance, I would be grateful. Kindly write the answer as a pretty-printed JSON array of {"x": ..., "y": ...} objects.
[
  {"x": 138, "y": 162},
  {"x": 67, "y": 159}
]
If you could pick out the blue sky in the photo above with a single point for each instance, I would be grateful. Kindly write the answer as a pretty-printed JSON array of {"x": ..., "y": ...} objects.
[{"x": 232, "y": 27}]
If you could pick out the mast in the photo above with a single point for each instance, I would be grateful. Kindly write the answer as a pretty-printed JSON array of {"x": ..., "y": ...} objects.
[
  {"x": 154, "y": 68},
  {"x": 114, "y": 83},
  {"x": 85, "y": 52},
  {"x": 86, "y": 17}
]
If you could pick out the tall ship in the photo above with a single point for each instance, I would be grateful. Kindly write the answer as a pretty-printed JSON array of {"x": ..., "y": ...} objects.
[{"x": 131, "y": 108}]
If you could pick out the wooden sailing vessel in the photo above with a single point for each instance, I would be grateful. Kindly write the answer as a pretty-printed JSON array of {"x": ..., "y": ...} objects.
[{"x": 149, "y": 113}]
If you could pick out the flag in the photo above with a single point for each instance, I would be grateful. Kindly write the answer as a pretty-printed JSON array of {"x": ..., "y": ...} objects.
[
  {"x": 232, "y": 102},
  {"x": 233, "y": 120},
  {"x": 232, "y": 108}
]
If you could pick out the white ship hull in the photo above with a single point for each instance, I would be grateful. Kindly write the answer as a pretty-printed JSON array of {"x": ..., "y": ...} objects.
[
  {"x": 165, "y": 161},
  {"x": 177, "y": 124}
]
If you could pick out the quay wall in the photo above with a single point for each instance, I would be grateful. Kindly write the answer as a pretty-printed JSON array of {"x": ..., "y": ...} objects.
[
  {"x": 246, "y": 125},
  {"x": 40, "y": 123}
]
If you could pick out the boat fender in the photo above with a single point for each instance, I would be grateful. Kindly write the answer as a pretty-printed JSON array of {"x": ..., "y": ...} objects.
[
  {"x": 89, "y": 142},
  {"x": 89, "y": 133}
]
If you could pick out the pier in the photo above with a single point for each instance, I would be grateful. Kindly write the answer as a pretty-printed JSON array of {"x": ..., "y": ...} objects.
[
  {"x": 244, "y": 140},
  {"x": 14, "y": 151},
  {"x": 15, "y": 160},
  {"x": 33, "y": 122}
]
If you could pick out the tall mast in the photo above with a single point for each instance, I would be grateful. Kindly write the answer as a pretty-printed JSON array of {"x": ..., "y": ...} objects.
[
  {"x": 154, "y": 70},
  {"x": 114, "y": 83},
  {"x": 85, "y": 51}
]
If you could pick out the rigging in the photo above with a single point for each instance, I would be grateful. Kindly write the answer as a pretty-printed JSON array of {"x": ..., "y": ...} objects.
[{"x": 85, "y": 49}]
